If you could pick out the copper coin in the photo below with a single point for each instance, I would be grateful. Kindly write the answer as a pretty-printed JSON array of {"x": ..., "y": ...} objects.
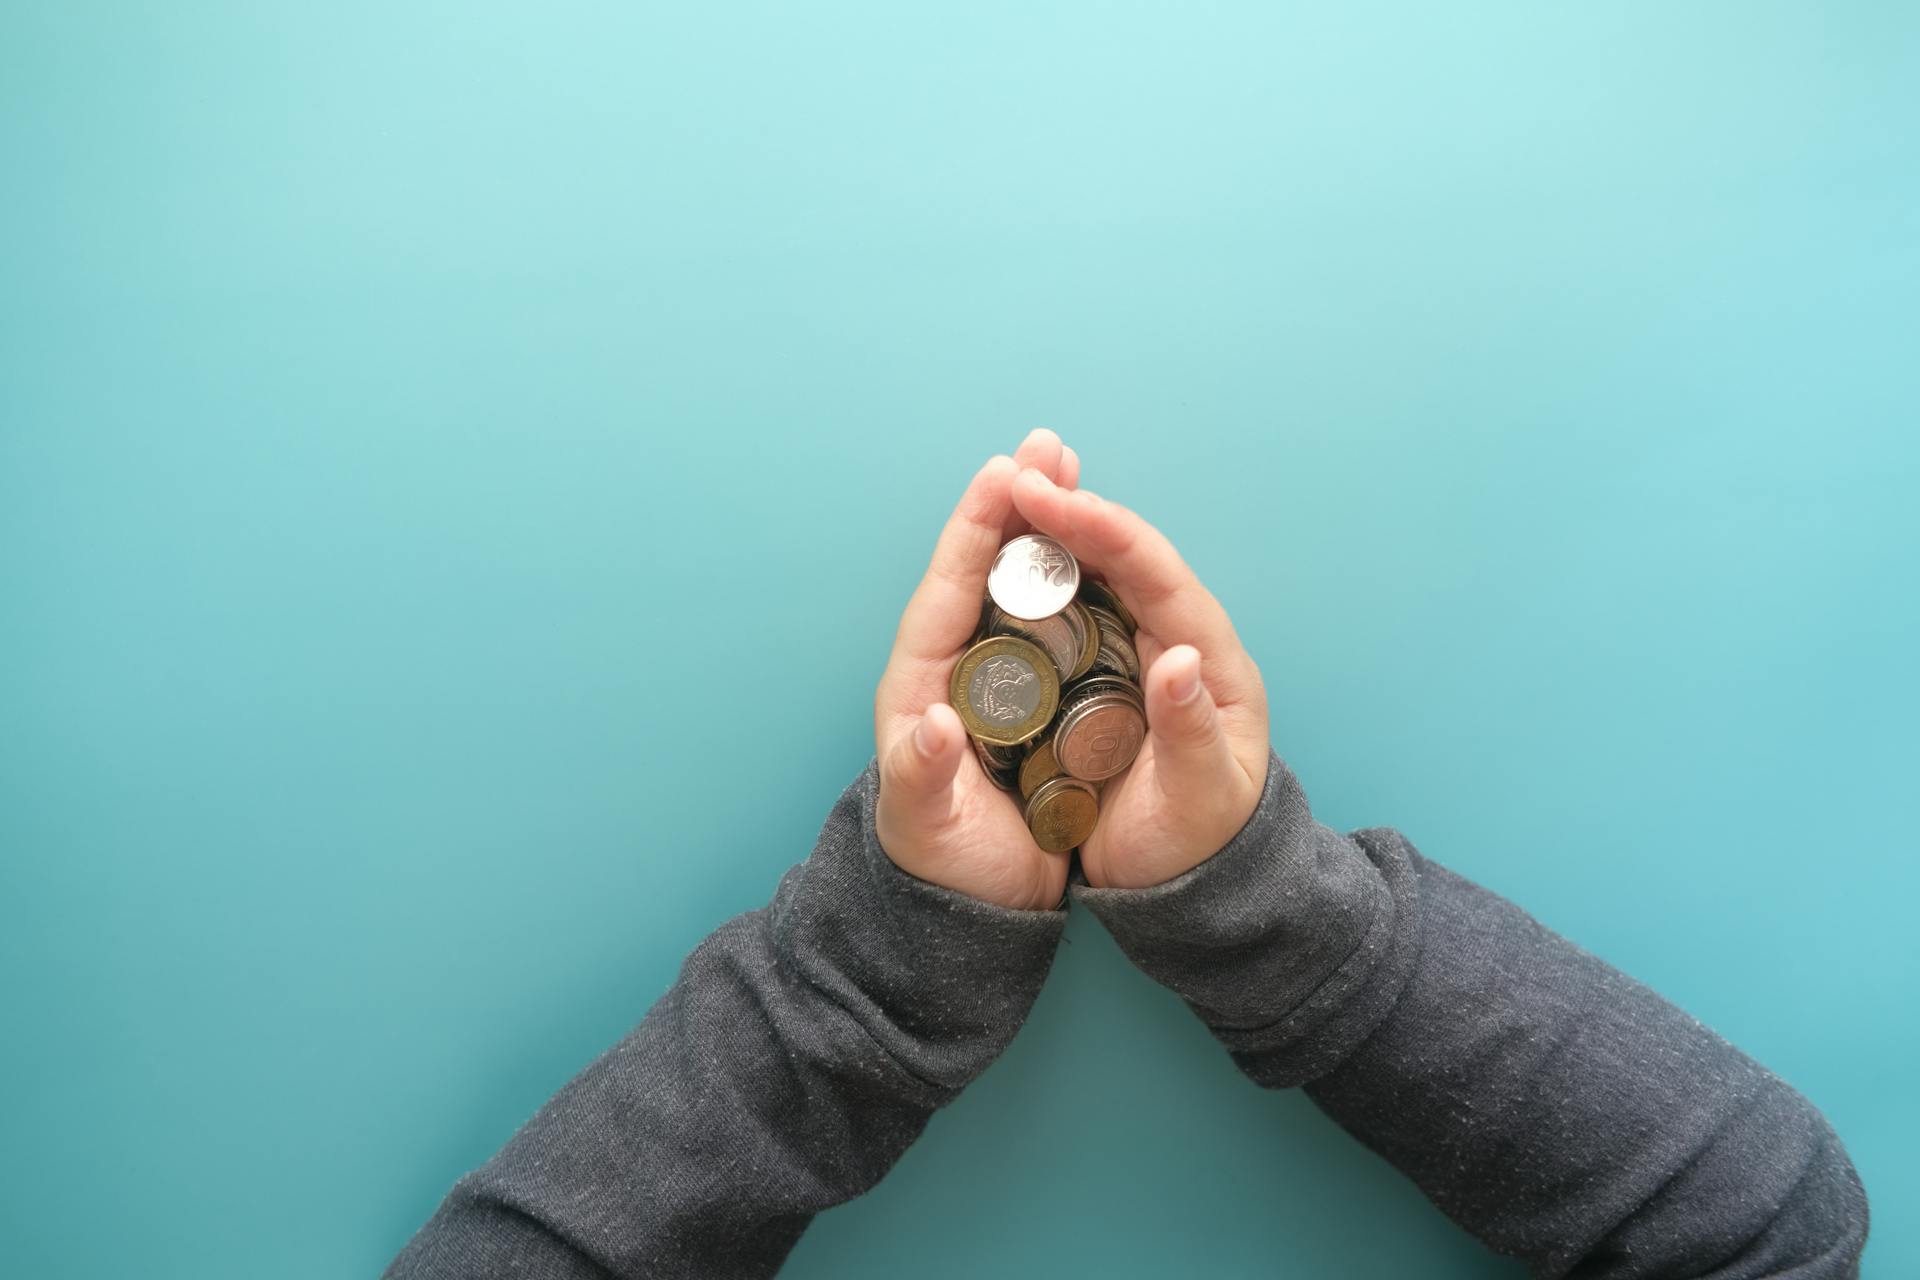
[
  {"x": 1038, "y": 767},
  {"x": 1062, "y": 813},
  {"x": 1099, "y": 733}
]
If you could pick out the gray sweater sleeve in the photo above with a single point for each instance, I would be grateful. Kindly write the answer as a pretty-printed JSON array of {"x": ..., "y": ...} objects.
[
  {"x": 803, "y": 1047},
  {"x": 1551, "y": 1105}
]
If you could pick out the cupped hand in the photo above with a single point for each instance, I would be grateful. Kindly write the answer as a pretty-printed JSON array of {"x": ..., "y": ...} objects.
[
  {"x": 1201, "y": 770},
  {"x": 938, "y": 815}
]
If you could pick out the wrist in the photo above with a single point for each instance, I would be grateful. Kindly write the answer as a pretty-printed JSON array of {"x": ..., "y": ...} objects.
[{"x": 941, "y": 981}]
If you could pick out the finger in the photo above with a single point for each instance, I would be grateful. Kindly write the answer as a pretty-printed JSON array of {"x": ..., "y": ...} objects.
[
  {"x": 1147, "y": 649},
  {"x": 1068, "y": 476},
  {"x": 1042, "y": 451},
  {"x": 919, "y": 769},
  {"x": 1190, "y": 746},
  {"x": 946, "y": 604},
  {"x": 1138, "y": 562}
]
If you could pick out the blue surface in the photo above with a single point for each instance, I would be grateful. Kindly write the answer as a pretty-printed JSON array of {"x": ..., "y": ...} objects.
[{"x": 427, "y": 437}]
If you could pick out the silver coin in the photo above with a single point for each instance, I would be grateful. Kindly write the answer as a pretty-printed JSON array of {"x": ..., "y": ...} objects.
[
  {"x": 1033, "y": 577},
  {"x": 1086, "y": 635},
  {"x": 1116, "y": 648},
  {"x": 1055, "y": 635},
  {"x": 1104, "y": 682}
]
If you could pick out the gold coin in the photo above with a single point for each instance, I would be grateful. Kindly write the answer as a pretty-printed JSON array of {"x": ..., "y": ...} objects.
[
  {"x": 1062, "y": 812},
  {"x": 1038, "y": 767},
  {"x": 1081, "y": 619},
  {"x": 1005, "y": 690}
]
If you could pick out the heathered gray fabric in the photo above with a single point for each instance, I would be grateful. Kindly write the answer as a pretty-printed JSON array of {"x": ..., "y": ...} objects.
[
  {"x": 1553, "y": 1106},
  {"x": 803, "y": 1047}
]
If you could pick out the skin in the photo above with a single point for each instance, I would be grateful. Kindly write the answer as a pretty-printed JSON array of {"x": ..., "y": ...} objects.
[{"x": 1200, "y": 771}]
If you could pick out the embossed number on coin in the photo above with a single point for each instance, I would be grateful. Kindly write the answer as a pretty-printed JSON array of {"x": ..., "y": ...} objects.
[{"x": 1033, "y": 577}]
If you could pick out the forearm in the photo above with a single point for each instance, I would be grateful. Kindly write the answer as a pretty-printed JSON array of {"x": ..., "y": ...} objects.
[
  {"x": 1555, "y": 1107},
  {"x": 802, "y": 1049}
]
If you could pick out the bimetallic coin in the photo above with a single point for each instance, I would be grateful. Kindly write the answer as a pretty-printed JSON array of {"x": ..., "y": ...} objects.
[
  {"x": 1005, "y": 690},
  {"x": 1061, "y": 813},
  {"x": 1038, "y": 767},
  {"x": 1102, "y": 724},
  {"x": 1033, "y": 577},
  {"x": 1097, "y": 593},
  {"x": 1056, "y": 635},
  {"x": 1088, "y": 630}
]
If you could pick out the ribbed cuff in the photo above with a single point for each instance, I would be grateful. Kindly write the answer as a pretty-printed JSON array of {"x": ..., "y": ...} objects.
[
  {"x": 1289, "y": 942},
  {"x": 940, "y": 979}
]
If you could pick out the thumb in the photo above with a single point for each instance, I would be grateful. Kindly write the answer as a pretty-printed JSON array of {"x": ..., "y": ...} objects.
[
  {"x": 918, "y": 771},
  {"x": 1190, "y": 748}
]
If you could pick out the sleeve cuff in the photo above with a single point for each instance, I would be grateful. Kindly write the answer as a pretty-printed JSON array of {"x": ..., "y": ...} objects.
[
  {"x": 1289, "y": 942},
  {"x": 940, "y": 979}
]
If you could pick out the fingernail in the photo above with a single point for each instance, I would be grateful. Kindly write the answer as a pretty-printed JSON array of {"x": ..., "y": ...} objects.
[
  {"x": 1185, "y": 684},
  {"x": 923, "y": 737}
]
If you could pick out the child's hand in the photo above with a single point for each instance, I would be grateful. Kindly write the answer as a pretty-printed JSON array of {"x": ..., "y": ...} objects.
[
  {"x": 938, "y": 815},
  {"x": 1203, "y": 765}
]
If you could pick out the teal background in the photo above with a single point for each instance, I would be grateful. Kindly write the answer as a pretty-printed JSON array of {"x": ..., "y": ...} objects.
[{"x": 431, "y": 434}]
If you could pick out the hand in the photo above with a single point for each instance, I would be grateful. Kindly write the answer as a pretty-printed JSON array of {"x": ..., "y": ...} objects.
[
  {"x": 1203, "y": 765},
  {"x": 938, "y": 815}
]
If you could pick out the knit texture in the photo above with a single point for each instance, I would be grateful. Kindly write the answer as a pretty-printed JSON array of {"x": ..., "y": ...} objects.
[
  {"x": 1556, "y": 1108},
  {"x": 1553, "y": 1106},
  {"x": 802, "y": 1049}
]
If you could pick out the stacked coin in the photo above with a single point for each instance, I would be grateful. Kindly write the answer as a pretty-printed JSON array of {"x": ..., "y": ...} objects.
[{"x": 1050, "y": 688}]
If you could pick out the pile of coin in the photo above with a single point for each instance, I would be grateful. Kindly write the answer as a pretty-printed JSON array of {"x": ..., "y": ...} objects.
[{"x": 1049, "y": 688}]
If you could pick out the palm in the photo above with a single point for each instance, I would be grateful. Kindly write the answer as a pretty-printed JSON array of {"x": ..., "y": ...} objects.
[
  {"x": 982, "y": 846},
  {"x": 1133, "y": 823},
  {"x": 938, "y": 815},
  {"x": 990, "y": 834},
  {"x": 1199, "y": 773}
]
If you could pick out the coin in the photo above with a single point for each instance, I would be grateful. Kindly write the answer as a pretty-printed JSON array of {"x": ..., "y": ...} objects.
[
  {"x": 1061, "y": 813},
  {"x": 1000, "y": 770},
  {"x": 1082, "y": 621},
  {"x": 1102, "y": 724},
  {"x": 1057, "y": 635},
  {"x": 1038, "y": 767},
  {"x": 1033, "y": 577},
  {"x": 1096, "y": 592},
  {"x": 1005, "y": 690},
  {"x": 1117, "y": 653}
]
